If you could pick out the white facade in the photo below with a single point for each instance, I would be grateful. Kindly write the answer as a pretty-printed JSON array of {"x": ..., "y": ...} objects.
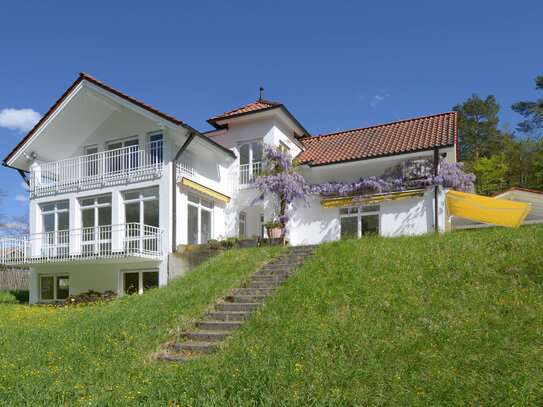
[{"x": 116, "y": 187}]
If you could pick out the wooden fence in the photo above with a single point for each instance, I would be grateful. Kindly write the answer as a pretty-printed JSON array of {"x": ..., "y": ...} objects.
[{"x": 14, "y": 279}]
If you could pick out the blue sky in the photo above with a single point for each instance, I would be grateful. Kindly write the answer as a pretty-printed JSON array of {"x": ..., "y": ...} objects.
[{"x": 335, "y": 65}]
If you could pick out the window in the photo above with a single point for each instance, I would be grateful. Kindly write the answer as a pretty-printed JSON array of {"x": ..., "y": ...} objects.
[
  {"x": 142, "y": 206},
  {"x": 141, "y": 216},
  {"x": 262, "y": 228},
  {"x": 119, "y": 160},
  {"x": 358, "y": 222},
  {"x": 96, "y": 223},
  {"x": 199, "y": 220},
  {"x": 156, "y": 147},
  {"x": 89, "y": 162},
  {"x": 250, "y": 161},
  {"x": 136, "y": 282},
  {"x": 55, "y": 225},
  {"x": 242, "y": 230},
  {"x": 53, "y": 288}
]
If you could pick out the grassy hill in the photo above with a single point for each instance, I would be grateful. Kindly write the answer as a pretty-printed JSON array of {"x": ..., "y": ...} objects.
[{"x": 454, "y": 319}]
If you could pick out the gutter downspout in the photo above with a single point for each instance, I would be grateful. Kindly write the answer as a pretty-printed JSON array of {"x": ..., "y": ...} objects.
[
  {"x": 436, "y": 165},
  {"x": 174, "y": 189}
]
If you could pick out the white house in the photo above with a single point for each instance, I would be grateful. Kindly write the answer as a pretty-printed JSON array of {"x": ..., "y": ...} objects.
[{"x": 116, "y": 185}]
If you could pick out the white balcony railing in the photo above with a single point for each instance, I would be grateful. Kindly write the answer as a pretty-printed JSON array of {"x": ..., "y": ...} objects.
[
  {"x": 246, "y": 172},
  {"x": 112, "y": 241},
  {"x": 99, "y": 168}
]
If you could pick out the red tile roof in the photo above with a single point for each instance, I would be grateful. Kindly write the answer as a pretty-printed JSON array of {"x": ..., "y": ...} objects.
[
  {"x": 255, "y": 107},
  {"x": 250, "y": 108},
  {"x": 84, "y": 76},
  {"x": 385, "y": 139}
]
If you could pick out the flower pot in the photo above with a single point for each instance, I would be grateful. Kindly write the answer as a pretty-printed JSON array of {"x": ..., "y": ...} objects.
[{"x": 274, "y": 232}]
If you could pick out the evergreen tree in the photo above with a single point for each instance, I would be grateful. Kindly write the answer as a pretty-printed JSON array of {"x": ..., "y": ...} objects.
[
  {"x": 532, "y": 110},
  {"x": 478, "y": 131}
]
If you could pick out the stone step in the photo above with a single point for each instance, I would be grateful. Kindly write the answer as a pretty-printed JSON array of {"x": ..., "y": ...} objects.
[
  {"x": 229, "y": 315},
  {"x": 245, "y": 298},
  {"x": 268, "y": 277},
  {"x": 275, "y": 272},
  {"x": 192, "y": 347},
  {"x": 213, "y": 325},
  {"x": 172, "y": 357},
  {"x": 253, "y": 291},
  {"x": 205, "y": 336},
  {"x": 231, "y": 306},
  {"x": 263, "y": 284}
]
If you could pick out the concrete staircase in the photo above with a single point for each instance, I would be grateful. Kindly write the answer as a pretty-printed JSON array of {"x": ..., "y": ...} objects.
[{"x": 233, "y": 310}]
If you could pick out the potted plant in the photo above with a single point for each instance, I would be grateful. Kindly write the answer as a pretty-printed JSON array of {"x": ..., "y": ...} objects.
[{"x": 274, "y": 229}]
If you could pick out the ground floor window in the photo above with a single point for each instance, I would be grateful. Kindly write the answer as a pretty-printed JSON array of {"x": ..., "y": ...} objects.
[
  {"x": 242, "y": 230},
  {"x": 54, "y": 288},
  {"x": 138, "y": 281},
  {"x": 199, "y": 220},
  {"x": 358, "y": 222}
]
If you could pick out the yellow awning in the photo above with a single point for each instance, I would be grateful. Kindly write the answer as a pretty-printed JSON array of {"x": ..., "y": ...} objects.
[
  {"x": 205, "y": 190},
  {"x": 348, "y": 201},
  {"x": 484, "y": 209}
]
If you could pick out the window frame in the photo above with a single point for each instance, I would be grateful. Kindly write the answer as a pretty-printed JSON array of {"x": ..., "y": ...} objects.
[
  {"x": 122, "y": 288},
  {"x": 359, "y": 214},
  {"x": 201, "y": 207},
  {"x": 140, "y": 200},
  {"x": 123, "y": 140},
  {"x": 55, "y": 276},
  {"x": 251, "y": 162},
  {"x": 242, "y": 222}
]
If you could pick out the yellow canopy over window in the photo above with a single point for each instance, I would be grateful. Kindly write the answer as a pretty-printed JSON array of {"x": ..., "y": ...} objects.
[{"x": 484, "y": 209}]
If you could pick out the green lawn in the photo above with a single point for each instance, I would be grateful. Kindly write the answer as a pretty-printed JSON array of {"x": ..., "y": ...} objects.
[{"x": 448, "y": 320}]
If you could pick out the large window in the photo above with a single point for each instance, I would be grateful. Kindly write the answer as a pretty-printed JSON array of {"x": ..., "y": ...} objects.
[
  {"x": 199, "y": 219},
  {"x": 138, "y": 281},
  {"x": 96, "y": 222},
  {"x": 250, "y": 161},
  {"x": 140, "y": 212},
  {"x": 142, "y": 206},
  {"x": 358, "y": 222},
  {"x": 55, "y": 225},
  {"x": 53, "y": 288}
]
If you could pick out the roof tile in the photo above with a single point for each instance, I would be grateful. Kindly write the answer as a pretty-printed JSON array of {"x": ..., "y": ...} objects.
[
  {"x": 384, "y": 139},
  {"x": 251, "y": 107}
]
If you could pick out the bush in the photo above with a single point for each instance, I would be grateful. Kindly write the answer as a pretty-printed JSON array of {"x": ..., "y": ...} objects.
[{"x": 13, "y": 296}]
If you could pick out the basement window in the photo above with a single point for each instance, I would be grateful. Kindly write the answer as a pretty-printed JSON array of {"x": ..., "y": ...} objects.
[
  {"x": 54, "y": 288},
  {"x": 357, "y": 222},
  {"x": 136, "y": 282}
]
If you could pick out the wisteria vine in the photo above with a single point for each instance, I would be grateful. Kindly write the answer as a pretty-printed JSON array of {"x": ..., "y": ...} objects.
[{"x": 286, "y": 184}]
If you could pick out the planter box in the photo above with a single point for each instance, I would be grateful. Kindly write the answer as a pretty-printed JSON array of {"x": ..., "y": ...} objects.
[{"x": 274, "y": 232}]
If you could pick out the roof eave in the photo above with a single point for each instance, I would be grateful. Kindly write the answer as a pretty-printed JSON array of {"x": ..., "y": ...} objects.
[{"x": 312, "y": 164}]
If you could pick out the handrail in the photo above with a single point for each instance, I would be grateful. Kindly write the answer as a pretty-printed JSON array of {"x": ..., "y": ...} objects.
[
  {"x": 109, "y": 241},
  {"x": 98, "y": 168}
]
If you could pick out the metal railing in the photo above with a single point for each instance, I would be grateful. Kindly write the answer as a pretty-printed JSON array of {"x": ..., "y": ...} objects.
[
  {"x": 111, "y": 241},
  {"x": 99, "y": 168},
  {"x": 246, "y": 172}
]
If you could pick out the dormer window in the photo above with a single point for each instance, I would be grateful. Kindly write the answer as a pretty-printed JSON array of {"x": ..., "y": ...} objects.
[{"x": 250, "y": 161}]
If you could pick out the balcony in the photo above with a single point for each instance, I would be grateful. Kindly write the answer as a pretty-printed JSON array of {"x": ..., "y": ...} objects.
[
  {"x": 246, "y": 173},
  {"x": 101, "y": 242},
  {"x": 93, "y": 170}
]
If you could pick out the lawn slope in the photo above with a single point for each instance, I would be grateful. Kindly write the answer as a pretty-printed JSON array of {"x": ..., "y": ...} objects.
[{"x": 451, "y": 319}]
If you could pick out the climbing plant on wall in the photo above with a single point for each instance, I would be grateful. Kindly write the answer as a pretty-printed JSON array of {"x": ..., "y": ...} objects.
[{"x": 284, "y": 182}]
